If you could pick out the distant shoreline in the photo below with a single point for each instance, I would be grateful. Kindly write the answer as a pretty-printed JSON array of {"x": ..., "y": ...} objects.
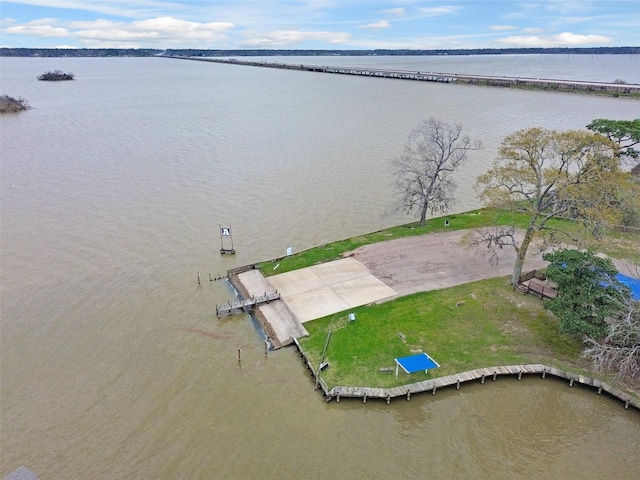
[{"x": 150, "y": 52}]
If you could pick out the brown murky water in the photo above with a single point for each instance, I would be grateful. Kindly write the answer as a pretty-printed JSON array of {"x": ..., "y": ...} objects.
[{"x": 113, "y": 362}]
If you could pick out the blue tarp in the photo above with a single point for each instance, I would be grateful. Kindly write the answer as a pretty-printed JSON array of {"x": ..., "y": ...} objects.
[
  {"x": 632, "y": 283},
  {"x": 415, "y": 363}
]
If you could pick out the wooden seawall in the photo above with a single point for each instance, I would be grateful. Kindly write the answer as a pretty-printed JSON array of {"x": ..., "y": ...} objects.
[
  {"x": 432, "y": 385},
  {"x": 545, "y": 83}
]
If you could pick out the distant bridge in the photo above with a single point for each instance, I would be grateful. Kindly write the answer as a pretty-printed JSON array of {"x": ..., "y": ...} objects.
[{"x": 543, "y": 83}]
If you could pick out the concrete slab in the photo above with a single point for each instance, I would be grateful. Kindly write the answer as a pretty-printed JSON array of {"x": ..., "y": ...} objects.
[
  {"x": 339, "y": 271},
  {"x": 315, "y": 304},
  {"x": 363, "y": 290},
  {"x": 330, "y": 287},
  {"x": 254, "y": 283},
  {"x": 280, "y": 323},
  {"x": 296, "y": 281}
]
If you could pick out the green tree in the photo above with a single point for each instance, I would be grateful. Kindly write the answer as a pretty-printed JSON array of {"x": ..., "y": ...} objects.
[
  {"x": 548, "y": 174},
  {"x": 589, "y": 292},
  {"x": 433, "y": 152},
  {"x": 624, "y": 133}
]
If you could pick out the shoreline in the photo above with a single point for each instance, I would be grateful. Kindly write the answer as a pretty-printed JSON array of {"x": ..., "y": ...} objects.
[
  {"x": 433, "y": 384},
  {"x": 619, "y": 390}
]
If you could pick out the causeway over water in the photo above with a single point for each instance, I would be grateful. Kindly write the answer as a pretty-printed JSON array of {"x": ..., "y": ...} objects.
[{"x": 545, "y": 83}]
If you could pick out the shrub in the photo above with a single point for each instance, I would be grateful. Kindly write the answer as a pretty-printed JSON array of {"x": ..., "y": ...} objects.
[
  {"x": 12, "y": 105},
  {"x": 56, "y": 75}
]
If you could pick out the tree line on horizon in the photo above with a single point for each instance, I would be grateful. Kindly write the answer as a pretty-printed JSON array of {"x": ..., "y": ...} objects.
[{"x": 191, "y": 52}]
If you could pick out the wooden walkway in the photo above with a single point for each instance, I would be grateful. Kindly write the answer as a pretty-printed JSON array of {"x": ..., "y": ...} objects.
[
  {"x": 546, "y": 83},
  {"x": 245, "y": 306},
  {"x": 432, "y": 385}
]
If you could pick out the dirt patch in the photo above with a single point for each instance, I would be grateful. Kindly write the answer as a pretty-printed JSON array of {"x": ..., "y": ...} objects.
[{"x": 434, "y": 261}]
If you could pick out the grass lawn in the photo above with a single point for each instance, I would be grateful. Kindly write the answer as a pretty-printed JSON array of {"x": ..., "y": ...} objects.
[
  {"x": 615, "y": 244},
  {"x": 334, "y": 250},
  {"x": 495, "y": 326}
]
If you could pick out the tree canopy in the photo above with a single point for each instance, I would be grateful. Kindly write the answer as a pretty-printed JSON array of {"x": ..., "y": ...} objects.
[
  {"x": 589, "y": 292},
  {"x": 56, "y": 76},
  {"x": 549, "y": 174},
  {"x": 433, "y": 152},
  {"x": 624, "y": 133}
]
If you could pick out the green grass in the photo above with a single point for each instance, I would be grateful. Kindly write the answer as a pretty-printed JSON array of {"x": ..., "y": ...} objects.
[
  {"x": 495, "y": 326},
  {"x": 616, "y": 244},
  {"x": 335, "y": 250}
]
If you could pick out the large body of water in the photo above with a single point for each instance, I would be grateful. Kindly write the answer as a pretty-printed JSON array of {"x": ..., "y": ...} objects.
[{"x": 114, "y": 364}]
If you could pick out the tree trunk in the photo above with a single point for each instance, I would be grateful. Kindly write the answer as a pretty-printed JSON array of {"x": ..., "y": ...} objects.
[
  {"x": 521, "y": 253},
  {"x": 423, "y": 215}
]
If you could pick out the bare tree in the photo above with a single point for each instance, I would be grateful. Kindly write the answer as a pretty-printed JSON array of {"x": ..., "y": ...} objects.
[
  {"x": 545, "y": 175},
  {"x": 434, "y": 150},
  {"x": 619, "y": 350}
]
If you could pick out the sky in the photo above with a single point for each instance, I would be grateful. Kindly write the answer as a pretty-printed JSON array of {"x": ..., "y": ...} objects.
[{"x": 319, "y": 24}]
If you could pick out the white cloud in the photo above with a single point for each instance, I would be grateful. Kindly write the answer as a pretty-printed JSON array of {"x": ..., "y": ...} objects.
[
  {"x": 288, "y": 38},
  {"x": 569, "y": 6},
  {"x": 437, "y": 11},
  {"x": 565, "y": 39},
  {"x": 160, "y": 31},
  {"x": 531, "y": 31},
  {"x": 501, "y": 28},
  {"x": 377, "y": 25},
  {"x": 38, "y": 28},
  {"x": 395, "y": 12}
]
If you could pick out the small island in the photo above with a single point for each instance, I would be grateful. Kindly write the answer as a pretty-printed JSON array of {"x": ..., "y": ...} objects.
[
  {"x": 13, "y": 105},
  {"x": 56, "y": 76}
]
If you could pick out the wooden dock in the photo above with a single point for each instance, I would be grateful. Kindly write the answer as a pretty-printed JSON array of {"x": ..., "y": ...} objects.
[
  {"x": 244, "y": 306},
  {"x": 481, "y": 374},
  {"x": 544, "y": 83}
]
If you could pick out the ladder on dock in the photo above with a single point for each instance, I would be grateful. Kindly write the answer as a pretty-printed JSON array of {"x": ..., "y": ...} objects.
[{"x": 245, "y": 305}]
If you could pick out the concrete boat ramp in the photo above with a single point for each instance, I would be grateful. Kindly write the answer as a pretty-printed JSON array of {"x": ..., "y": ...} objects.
[
  {"x": 371, "y": 274},
  {"x": 280, "y": 324},
  {"x": 306, "y": 294}
]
